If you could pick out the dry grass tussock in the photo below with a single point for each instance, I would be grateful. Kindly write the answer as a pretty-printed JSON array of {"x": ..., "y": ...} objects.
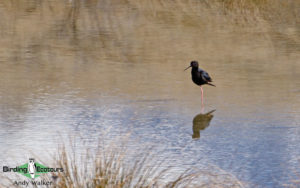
[
  {"x": 117, "y": 167},
  {"x": 114, "y": 166}
]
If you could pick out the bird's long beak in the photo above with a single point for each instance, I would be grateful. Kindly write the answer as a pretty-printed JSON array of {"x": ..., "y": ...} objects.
[{"x": 187, "y": 68}]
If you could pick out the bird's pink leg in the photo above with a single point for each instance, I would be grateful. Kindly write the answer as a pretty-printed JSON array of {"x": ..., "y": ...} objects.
[{"x": 202, "y": 106}]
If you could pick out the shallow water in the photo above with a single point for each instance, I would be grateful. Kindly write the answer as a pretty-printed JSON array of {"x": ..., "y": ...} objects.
[{"x": 81, "y": 68}]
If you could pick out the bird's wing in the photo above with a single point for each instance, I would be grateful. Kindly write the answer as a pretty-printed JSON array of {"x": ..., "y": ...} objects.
[{"x": 205, "y": 76}]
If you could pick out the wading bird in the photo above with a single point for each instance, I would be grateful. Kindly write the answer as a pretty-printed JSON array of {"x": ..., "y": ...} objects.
[{"x": 200, "y": 77}]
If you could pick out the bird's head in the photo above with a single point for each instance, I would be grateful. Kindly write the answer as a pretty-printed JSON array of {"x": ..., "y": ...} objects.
[{"x": 194, "y": 64}]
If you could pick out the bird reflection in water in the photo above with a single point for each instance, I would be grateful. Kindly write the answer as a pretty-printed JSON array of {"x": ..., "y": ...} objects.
[{"x": 200, "y": 122}]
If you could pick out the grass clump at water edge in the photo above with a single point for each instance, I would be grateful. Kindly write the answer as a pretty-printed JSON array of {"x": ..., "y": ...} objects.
[{"x": 113, "y": 166}]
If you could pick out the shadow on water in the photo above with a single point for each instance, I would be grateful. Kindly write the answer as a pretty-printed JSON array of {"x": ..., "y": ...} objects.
[{"x": 200, "y": 122}]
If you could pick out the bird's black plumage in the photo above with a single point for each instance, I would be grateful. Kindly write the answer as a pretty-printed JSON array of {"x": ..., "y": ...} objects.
[{"x": 199, "y": 76}]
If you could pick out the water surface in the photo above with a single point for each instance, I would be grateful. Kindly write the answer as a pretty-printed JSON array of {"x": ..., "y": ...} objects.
[{"x": 81, "y": 68}]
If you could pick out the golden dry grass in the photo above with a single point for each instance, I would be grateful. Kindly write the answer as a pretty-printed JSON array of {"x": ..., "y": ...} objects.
[{"x": 116, "y": 167}]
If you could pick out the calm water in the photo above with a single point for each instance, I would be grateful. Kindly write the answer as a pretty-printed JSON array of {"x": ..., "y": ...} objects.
[{"x": 100, "y": 69}]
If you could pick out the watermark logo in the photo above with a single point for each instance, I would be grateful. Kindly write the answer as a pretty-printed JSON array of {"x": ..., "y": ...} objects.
[{"x": 32, "y": 170}]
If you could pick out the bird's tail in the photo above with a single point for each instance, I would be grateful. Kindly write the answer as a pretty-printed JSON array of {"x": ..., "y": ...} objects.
[{"x": 211, "y": 84}]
